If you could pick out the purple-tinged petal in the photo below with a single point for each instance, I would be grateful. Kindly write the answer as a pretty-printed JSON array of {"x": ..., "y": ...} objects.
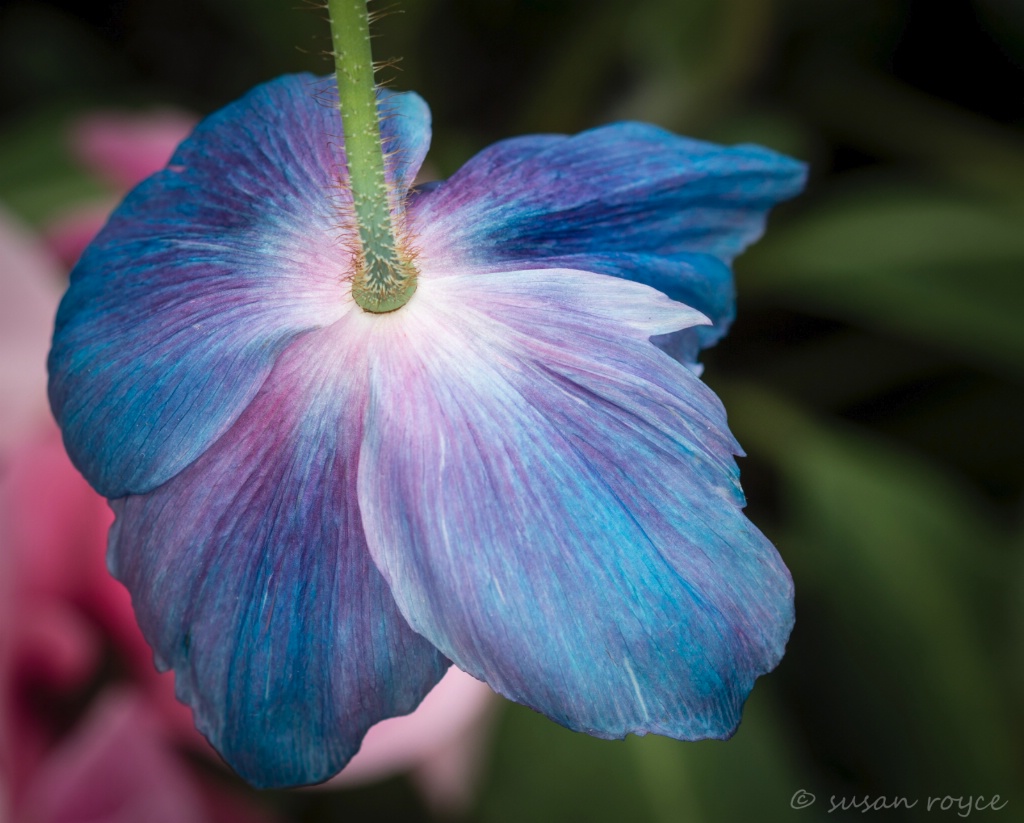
[
  {"x": 204, "y": 275},
  {"x": 630, "y": 200},
  {"x": 251, "y": 578},
  {"x": 555, "y": 504}
]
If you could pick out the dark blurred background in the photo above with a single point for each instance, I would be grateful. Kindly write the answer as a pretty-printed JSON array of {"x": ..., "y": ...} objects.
[{"x": 874, "y": 373}]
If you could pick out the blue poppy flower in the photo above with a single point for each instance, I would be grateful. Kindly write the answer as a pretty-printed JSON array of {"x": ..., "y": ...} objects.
[{"x": 318, "y": 507}]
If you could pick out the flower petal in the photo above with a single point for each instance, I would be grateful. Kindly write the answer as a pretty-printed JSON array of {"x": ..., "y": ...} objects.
[
  {"x": 555, "y": 505},
  {"x": 208, "y": 270},
  {"x": 629, "y": 199},
  {"x": 405, "y": 132},
  {"x": 251, "y": 578}
]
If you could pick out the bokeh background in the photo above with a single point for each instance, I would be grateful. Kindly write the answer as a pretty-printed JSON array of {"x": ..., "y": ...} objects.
[{"x": 874, "y": 373}]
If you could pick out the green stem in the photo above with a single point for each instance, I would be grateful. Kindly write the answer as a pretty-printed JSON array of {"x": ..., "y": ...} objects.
[{"x": 383, "y": 280}]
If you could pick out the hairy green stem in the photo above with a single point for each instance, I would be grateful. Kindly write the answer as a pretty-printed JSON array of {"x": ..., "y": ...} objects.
[{"x": 383, "y": 280}]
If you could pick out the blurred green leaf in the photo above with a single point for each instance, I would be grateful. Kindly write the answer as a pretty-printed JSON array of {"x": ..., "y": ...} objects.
[
  {"x": 574, "y": 80},
  {"x": 892, "y": 120},
  {"x": 38, "y": 177},
  {"x": 542, "y": 772},
  {"x": 752, "y": 776},
  {"x": 691, "y": 59},
  {"x": 936, "y": 266},
  {"x": 903, "y": 565},
  {"x": 775, "y": 130}
]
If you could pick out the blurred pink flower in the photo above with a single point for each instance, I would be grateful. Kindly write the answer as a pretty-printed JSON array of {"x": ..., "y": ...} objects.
[
  {"x": 126, "y": 148},
  {"x": 114, "y": 768},
  {"x": 65, "y": 624},
  {"x": 67, "y": 627},
  {"x": 123, "y": 149},
  {"x": 70, "y": 232},
  {"x": 30, "y": 287}
]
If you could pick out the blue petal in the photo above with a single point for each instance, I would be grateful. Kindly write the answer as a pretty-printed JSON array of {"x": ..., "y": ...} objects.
[
  {"x": 630, "y": 200},
  {"x": 251, "y": 579},
  {"x": 208, "y": 270},
  {"x": 405, "y": 133},
  {"x": 555, "y": 505}
]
